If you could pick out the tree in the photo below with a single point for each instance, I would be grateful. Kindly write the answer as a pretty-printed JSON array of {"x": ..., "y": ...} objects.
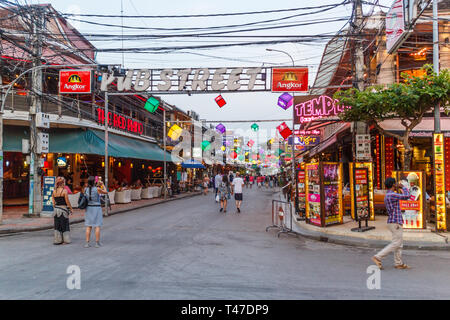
[{"x": 407, "y": 101}]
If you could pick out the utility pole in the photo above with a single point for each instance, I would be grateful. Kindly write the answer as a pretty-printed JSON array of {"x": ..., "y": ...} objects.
[
  {"x": 437, "y": 108},
  {"x": 35, "y": 203},
  {"x": 358, "y": 60}
]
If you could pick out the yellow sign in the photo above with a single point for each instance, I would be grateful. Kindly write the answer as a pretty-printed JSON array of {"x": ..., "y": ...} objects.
[{"x": 439, "y": 181}]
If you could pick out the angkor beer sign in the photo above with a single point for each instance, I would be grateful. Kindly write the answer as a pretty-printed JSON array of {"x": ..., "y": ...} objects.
[
  {"x": 316, "y": 108},
  {"x": 290, "y": 79},
  {"x": 189, "y": 80},
  {"x": 75, "y": 81},
  {"x": 118, "y": 121}
]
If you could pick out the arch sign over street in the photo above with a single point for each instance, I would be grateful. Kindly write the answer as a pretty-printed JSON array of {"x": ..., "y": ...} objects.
[{"x": 206, "y": 80}]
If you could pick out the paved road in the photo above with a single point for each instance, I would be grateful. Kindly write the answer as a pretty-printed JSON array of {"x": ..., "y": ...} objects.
[{"x": 186, "y": 249}]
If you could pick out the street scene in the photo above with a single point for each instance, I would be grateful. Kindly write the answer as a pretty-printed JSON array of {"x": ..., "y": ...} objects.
[{"x": 225, "y": 151}]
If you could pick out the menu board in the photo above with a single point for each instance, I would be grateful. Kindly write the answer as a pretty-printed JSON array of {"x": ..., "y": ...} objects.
[
  {"x": 301, "y": 191},
  {"x": 313, "y": 208},
  {"x": 413, "y": 208},
  {"x": 370, "y": 187},
  {"x": 362, "y": 206},
  {"x": 439, "y": 180},
  {"x": 332, "y": 192},
  {"x": 47, "y": 191}
]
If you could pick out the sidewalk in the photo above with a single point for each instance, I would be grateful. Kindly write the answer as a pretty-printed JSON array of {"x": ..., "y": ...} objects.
[
  {"x": 377, "y": 238},
  {"x": 14, "y": 222}
]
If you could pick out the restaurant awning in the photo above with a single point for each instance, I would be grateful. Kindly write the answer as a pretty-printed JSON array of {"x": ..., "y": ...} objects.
[{"x": 87, "y": 142}]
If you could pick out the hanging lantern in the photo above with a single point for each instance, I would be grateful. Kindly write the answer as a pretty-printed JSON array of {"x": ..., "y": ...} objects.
[
  {"x": 151, "y": 105},
  {"x": 233, "y": 155},
  {"x": 250, "y": 143},
  {"x": 254, "y": 127},
  {"x": 206, "y": 145},
  {"x": 241, "y": 157},
  {"x": 221, "y": 128},
  {"x": 285, "y": 100},
  {"x": 284, "y": 130},
  {"x": 220, "y": 101},
  {"x": 223, "y": 148},
  {"x": 238, "y": 150},
  {"x": 175, "y": 132}
]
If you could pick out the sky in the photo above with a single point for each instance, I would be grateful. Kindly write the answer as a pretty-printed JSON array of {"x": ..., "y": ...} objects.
[{"x": 240, "y": 106}]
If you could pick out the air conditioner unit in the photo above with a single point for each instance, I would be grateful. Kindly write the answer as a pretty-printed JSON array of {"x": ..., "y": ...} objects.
[{"x": 42, "y": 120}]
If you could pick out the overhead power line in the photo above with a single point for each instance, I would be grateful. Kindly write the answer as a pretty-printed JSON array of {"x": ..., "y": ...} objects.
[{"x": 206, "y": 15}]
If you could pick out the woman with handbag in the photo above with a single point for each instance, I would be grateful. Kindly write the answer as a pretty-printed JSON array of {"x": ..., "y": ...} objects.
[
  {"x": 94, "y": 216},
  {"x": 62, "y": 209},
  {"x": 224, "y": 193}
]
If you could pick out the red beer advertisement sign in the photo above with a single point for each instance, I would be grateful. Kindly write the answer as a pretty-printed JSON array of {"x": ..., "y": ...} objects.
[
  {"x": 290, "y": 79},
  {"x": 75, "y": 81}
]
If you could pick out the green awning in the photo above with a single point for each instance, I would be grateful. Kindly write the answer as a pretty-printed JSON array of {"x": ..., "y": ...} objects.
[{"x": 87, "y": 142}]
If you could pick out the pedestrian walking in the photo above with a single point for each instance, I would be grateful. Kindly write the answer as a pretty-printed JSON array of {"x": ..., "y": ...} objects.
[
  {"x": 247, "y": 180},
  {"x": 252, "y": 179},
  {"x": 224, "y": 193},
  {"x": 93, "y": 217},
  {"x": 237, "y": 191},
  {"x": 205, "y": 184},
  {"x": 395, "y": 225},
  {"x": 217, "y": 181},
  {"x": 62, "y": 210}
]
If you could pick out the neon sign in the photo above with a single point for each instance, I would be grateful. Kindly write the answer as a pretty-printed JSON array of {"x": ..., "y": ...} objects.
[
  {"x": 318, "y": 108},
  {"x": 118, "y": 121}
]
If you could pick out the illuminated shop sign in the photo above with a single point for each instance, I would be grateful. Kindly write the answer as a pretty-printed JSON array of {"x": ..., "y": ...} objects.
[
  {"x": 317, "y": 108},
  {"x": 75, "y": 81},
  {"x": 290, "y": 79},
  {"x": 121, "y": 122}
]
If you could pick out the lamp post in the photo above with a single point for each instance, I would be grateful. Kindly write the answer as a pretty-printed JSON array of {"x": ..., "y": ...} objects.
[{"x": 293, "y": 142}]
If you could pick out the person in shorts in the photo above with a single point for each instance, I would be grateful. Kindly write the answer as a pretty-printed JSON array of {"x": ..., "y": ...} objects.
[{"x": 237, "y": 184}]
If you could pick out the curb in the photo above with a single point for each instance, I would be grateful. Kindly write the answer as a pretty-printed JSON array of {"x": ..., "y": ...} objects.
[
  {"x": 7, "y": 232},
  {"x": 366, "y": 243}
]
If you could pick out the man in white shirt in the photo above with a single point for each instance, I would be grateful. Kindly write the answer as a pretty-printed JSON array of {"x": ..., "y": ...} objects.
[{"x": 237, "y": 184}]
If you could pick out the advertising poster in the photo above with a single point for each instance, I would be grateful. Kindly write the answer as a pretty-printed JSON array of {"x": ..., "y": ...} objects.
[
  {"x": 439, "y": 180},
  {"x": 332, "y": 193},
  {"x": 362, "y": 194},
  {"x": 47, "y": 190},
  {"x": 369, "y": 167},
  {"x": 413, "y": 208},
  {"x": 301, "y": 192},
  {"x": 313, "y": 209}
]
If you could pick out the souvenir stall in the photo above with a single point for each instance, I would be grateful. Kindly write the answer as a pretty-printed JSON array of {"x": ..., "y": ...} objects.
[{"x": 323, "y": 189}]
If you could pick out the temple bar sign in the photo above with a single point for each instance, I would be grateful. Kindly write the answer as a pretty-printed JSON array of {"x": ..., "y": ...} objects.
[{"x": 206, "y": 80}]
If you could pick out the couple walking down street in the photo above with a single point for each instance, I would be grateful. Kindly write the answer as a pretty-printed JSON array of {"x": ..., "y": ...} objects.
[{"x": 225, "y": 189}]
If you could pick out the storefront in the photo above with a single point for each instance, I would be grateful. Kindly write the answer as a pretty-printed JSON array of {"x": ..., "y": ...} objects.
[{"x": 78, "y": 153}]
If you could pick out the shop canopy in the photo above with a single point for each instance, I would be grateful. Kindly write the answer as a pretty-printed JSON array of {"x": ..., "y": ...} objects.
[
  {"x": 87, "y": 142},
  {"x": 192, "y": 164}
]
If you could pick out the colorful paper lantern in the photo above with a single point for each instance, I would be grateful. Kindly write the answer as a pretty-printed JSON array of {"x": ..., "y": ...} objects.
[
  {"x": 220, "y": 101},
  {"x": 175, "y": 132},
  {"x": 250, "y": 143},
  {"x": 223, "y": 148},
  {"x": 285, "y": 100},
  {"x": 254, "y": 127},
  {"x": 284, "y": 130},
  {"x": 241, "y": 157},
  {"x": 221, "y": 128},
  {"x": 206, "y": 145},
  {"x": 151, "y": 105},
  {"x": 233, "y": 155},
  {"x": 238, "y": 150}
]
